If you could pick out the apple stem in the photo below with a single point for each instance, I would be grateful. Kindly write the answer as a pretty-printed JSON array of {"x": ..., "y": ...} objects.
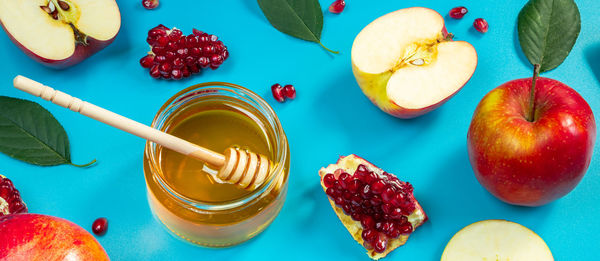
[
  {"x": 84, "y": 165},
  {"x": 536, "y": 72},
  {"x": 329, "y": 50}
]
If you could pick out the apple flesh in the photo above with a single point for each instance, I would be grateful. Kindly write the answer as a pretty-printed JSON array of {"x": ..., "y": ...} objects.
[
  {"x": 86, "y": 27},
  {"x": 531, "y": 163},
  {"x": 406, "y": 63},
  {"x": 496, "y": 240},
  {"x": 41, "y": 237}
]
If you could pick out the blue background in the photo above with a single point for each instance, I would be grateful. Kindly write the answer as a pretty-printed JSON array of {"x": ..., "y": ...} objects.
[{"x": 330, "y": 117}]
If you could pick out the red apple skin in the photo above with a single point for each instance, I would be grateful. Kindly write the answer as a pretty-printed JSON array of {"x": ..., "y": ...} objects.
[
  {"x": 531, "y": 163},
  {"x": 81, "y": 52},
  {"x": 34, "y": 237}
]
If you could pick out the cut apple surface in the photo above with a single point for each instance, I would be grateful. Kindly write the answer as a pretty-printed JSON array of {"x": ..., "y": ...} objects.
[
  {"x": 60, "y": 33},
  {"x": 408, "y": 65},
  {"x": 378, "y": 210},
  {"x": 499, "y": 240}
]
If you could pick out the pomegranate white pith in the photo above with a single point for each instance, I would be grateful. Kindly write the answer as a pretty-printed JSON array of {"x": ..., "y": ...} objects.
[
  {"x": 52, "y": 40},
  {"x": 407, "y": 64},
  {"x": 399, "y": 225},
  {"x": 496, "y": 240}
]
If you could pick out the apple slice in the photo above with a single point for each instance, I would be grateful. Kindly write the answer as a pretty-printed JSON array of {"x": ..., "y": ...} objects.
[
  {"x": 60, "y": 33},
  {"x": 496, "y": 240},
  {"x": 378, "y": 209},
  {"x": 407, "y": 64}
]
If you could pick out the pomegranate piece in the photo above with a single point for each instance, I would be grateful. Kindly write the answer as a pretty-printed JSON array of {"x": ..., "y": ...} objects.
[
  {"x": 100, "y": 226},
  {"x": 277, "y": 91},
  {"x": 150, "y": 4},
  {"x": 289, "y": 91},
  {"x": 10, "y": 199},
  {"x": 458, "y": 12},
  {"x": 337, "y": 6},
  {"x": 480, "y": 25},
  {"x": 378, "y": 209},
  {"x": 177, "y": 56}
]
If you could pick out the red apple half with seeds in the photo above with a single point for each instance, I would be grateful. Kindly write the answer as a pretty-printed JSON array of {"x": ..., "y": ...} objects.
[
  {"x": 379, "y": 211},
  {"x": 40, "y": 237},
  {"x": 496, "y": 240},
  {"x": 60, "y": 33},
  {"x": 406, "y": 63},
  {"x": 525, "y": 161}
]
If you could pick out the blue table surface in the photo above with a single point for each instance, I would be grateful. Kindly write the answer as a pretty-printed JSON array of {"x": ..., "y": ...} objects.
[{"x": 330, "y": 117}]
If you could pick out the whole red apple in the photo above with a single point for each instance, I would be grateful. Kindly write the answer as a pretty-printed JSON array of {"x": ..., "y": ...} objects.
[
  {"x": 40, "y": 237},
  {"x": 531, "y": 163}
]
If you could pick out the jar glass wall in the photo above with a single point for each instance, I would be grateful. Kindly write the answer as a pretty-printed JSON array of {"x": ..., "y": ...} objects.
[{"x": 215, "y": 215}]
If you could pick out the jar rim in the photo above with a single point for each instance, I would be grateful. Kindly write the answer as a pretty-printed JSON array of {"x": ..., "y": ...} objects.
[{"x": 281, "y": 146}]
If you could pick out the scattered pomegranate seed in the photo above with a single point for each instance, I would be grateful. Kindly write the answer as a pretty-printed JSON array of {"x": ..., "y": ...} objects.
[
  {"x": 10, "y": 199},
  {"x": 458, "y": 12},
  {"x": 381, "y": 203},
  {"x": 150, "y": 4},
  {"x": 100, "y": 226},
  {"x": 176, "y": 56},
  {"x": 480, "y": 25},
  {"x": 289, "y": 91},
  {"x": 277, "y": 91},
  {"x": 337, "y": 6}
]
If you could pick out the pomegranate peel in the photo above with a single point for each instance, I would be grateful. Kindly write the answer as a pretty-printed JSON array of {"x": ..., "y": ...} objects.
[{"x": 347, "y": 167}]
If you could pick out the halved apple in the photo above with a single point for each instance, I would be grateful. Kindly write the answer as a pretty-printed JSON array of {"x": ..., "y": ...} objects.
[
  {"x": 407, "y": 64},
  {"x": 496, "y": 240},
  {"x": 60, "y": 33}
]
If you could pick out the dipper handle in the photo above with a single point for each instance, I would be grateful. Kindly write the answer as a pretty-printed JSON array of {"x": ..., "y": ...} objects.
[{"x": 246, "y": 169}]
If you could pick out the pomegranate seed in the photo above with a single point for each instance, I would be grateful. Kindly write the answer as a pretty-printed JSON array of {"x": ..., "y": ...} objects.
[
  {"x": 330, "y": 192},
  {"x": 289, "y": 91},
  {"x": 337, "y": 6},
  {"x": 147, "y": 61},
  {"x": 176, "y": 74},
  {"x": 354, "y": 185},
  {"x": 406, "y": 228},
  {"x": 328, "y": 180},
  {"x": 378, "y": 186},
  {"x": 165, "y": 68},
  {"x": 344, "y": 179},
  {"x": 458, "y": 12},
  {"x": 355, "y": 215},
  {"x": 380, "y": 245},
  {"x": 369, "y": 235},
  {"x": 100, "y": 226},
  {"x": 367, "y": 222},
  {"x": 480, "y": 25},
  {"x": 277, "y": 91},
  {"x": 185, "y": 72},
  {"x": 155, "y": 72},
  {"x": 387, "y": 195},
  {"x": 150, "y": 4}
]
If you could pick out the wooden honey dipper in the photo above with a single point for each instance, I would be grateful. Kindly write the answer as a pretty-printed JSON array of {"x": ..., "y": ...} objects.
[{"x": 244, "y": 169}]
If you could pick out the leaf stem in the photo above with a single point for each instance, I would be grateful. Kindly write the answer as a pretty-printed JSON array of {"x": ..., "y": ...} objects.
[
  {"x": 84, "y": 165},
  {"x": 536, "y": 73},
  {"x": 329, "y": 50}
]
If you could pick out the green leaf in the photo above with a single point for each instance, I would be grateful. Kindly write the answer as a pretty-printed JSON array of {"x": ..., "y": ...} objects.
[
  {"x": 30, "y": 133},
  {"x": 548, "y": 30},
  {"x": 299, "y": 18}
]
